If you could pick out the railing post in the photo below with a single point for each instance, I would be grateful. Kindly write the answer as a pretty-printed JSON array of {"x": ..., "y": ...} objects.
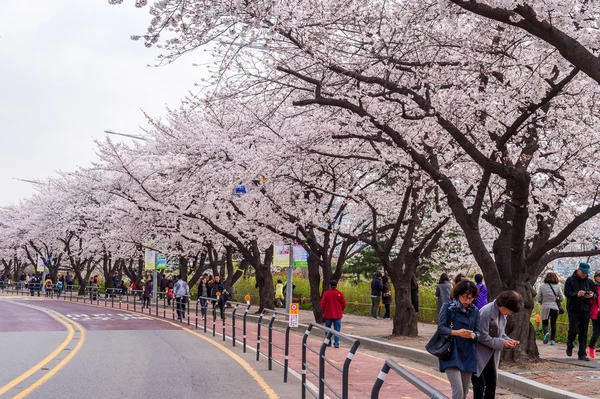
[
  {"x": 258, "y": 336},
  {"x": 214, "y": 318},
  {"x": 286, "y": 353},
  {"x": 197, "y": 303},
  {"x": 270, "y": 343},
  {"x": 233, "y": 324},
  {"x": 326, "y": 342},
  {"x": 346, "y": 369},
  {"x": 244, "y": 326},
  {"x": 379, "y": 382},
  {"x": 222, "y": 313},
  {"x": 304, "y": 340}
]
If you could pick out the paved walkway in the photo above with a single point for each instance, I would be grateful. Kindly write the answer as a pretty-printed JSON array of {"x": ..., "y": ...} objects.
[{"x": 556, "y": 369}]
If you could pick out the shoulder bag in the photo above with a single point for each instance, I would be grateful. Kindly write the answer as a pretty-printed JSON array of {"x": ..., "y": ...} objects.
[
  {"x": 561, "y": 310},
  {"x": 439, "y": 346}
]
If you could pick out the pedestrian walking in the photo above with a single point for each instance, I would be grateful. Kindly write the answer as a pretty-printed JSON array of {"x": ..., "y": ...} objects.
[
  {"x": 69, "y": 281},
  {"x": 203, "y": 293},
  {"x": 95, "y": 288},
  {"x": 279, "y": 297},
  {"x": 376, "y": 290},
  {"x": 386, "y": 295},
  {"x": 216, "y": 289},
  {"x": 116, "y": 281},
  {"x": 147, "y": 293},
  {"x": 333, "y": 304},
  {"x": 459, "y": 277},
  {"x": 595, "y": 317},
  {"x": 459, "y": 318},
  {"x": 482, "y": 298},
  {"x": 164, "y": 282},
  {"x": 59, "y": 285},
  {"x": 181, "y": 290},
  {"x": 442, "y": 291},
  {"x": 491, "y": 340},
  {"x": 579, "y": 289},
  {"x": 48, "y": 286},
  {"x": 549, "y": 295},
  {"x": 22, "y": 280}
]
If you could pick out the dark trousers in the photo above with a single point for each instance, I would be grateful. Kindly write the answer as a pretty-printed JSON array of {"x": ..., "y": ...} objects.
[
  {"x": 146, "y": 301},
  {"x": 203, "y": 305},
  {"x": 552, "y": 318},
  {"x": 387, "y": 310},
  {"x": 375, "y": 306},
  {"x": 484, "y": 386},
  {"x": 595, "y": 332},
  {"x": 578, "y": 325},
  {"x": 180, "y": 301}
]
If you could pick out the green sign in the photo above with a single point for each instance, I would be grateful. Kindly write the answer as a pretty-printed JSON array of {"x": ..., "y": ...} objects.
[{"x": 299, "y": 257}]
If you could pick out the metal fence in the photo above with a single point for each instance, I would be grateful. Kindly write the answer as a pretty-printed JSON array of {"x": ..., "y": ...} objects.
[{"x": 270, "y": 319}]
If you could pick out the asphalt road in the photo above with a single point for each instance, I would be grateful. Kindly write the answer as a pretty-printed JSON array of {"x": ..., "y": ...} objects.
[{"x": 110, "y": 353}]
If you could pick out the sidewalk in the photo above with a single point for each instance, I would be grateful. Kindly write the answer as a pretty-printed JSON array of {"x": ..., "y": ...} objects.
[{"x": 555, "y": 369}]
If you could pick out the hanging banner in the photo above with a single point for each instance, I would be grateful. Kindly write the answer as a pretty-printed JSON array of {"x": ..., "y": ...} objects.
[
  {"x": 281, "y": 257},
  {"x": 40, "y": 264},
  {"x": 149, "y": 259},
  {"x": 300, "y": 257},
  {"x": 161, "y": 262}
]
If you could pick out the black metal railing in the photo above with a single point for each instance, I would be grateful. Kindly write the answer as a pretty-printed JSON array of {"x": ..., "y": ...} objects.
[
  {"x": 408, "y": 376},
  {"x": 320, "y": 374}
]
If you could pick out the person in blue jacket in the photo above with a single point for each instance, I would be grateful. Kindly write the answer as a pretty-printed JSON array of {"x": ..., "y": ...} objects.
[{"x": 459, "y": 319}]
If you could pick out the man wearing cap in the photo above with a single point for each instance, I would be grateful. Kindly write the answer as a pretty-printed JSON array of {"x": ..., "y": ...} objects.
[
  {"x": 579, "y": 289},
  {"x": 333, "y": 304}
]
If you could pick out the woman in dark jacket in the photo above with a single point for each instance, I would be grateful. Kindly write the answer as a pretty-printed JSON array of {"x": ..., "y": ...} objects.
[
  {"x": 203, "y": 292},
  {"x": 147, "y": 293},
  {"x": 386, "y": 295},
  {"x": 459, "y": 319},
  {"x": 442, "y": 291},
  {"x": 217, "y": 287}
]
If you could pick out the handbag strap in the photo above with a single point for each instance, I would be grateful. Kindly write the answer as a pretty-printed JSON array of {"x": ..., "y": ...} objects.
[{"x": 555, "y": 297}]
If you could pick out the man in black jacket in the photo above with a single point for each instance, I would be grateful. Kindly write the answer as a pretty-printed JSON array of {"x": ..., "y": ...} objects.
[
  {"x": 579, "y": 289},
  {"x": 376, "y": 290}
]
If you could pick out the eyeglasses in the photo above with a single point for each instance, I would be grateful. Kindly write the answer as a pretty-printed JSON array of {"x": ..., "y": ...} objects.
[{"x": 466, "y": 297}]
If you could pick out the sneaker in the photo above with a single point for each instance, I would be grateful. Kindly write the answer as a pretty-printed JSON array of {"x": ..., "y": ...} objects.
[
  {"x": 374, "y": 318},
  {"x": 552, "y": 343},
  {"x": 336, "y": 346},
  {"x": 569, "y": 351},
  {"x": 583, "y": 358},
  {"x": 592, "y": 352},
  {"x": 546, "y": 338}
]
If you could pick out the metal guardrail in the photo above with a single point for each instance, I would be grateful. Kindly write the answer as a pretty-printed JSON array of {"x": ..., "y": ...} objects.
[
  {"x": 408, "y": 376},
  {"x": 329, "y": 334},
  {"x": 110, "y": 294},
  {"x": 270, "y": 344}
]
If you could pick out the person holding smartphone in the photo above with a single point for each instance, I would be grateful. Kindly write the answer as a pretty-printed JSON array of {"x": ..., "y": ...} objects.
[
  {"x": 579, "y": 289},
  {"x": 492, "y": 339},
  {"x": 459, "y": 319}
]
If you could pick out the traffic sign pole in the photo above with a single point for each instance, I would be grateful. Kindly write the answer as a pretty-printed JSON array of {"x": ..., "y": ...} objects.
[{"x": 290, "y": 283}]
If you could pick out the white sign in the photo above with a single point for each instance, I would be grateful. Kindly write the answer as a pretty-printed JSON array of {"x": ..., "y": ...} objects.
[{"x": 293, "y": 320}]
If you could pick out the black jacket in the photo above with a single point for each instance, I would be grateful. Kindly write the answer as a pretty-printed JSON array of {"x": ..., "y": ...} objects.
[
  {"x": 376, "y": 287},
  {"x": 574, "y": 284}
]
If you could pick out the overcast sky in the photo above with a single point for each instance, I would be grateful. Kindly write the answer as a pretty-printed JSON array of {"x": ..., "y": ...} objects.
[{"x": 69, "y": 71}]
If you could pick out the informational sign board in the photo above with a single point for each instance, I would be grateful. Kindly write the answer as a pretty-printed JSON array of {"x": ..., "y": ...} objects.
[
  {"x": 300, "y": 257},
  {"x": 149, "y": 259},
  {"x": 281, "y": 257},
  {"x": 294, "y": 313},
  {"x": 40, "y": 264},
  {"x": 161, "y": 262}
]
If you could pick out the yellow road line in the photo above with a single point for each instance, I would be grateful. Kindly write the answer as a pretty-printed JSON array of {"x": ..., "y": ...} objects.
[
  {"x": 245, "y": 365},
  {"x": 71, "y": 332}
]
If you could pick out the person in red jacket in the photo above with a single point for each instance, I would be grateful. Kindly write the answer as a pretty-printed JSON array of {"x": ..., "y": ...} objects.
[{"x": 333, "y": 304}]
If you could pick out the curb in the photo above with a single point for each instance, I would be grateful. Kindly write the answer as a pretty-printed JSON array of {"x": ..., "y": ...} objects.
[{"x": 515, "y": 383}]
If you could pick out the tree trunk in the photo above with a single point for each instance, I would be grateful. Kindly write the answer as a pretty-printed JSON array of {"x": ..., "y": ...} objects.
[
  {"x": 519, "y": 327},
  {"x": 264, "y": 280},
  {"x": 314, "y": 279},
  {"x": 183, "y": 267},
  {"x": 405, "y": 318}
]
